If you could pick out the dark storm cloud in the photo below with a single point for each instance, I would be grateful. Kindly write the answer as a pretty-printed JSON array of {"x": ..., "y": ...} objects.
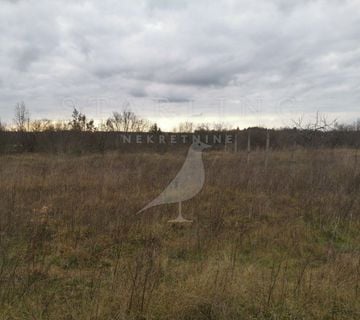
[{"x": 181, "y": 50}]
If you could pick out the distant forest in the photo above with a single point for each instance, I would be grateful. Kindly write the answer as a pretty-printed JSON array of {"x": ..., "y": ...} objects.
[{"x": 81, "y": 135}]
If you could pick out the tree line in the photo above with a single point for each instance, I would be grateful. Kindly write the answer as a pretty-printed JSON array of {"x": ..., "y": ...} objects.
[
  {"x": 127, "y": 121},
  {"x": 80, "y": 134},
  {"x": 124, "y": 121}
]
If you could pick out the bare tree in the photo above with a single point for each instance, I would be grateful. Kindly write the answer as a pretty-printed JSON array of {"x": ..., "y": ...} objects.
[
  {"x": 2, "y": 126},
  {"x": 61, "y": 125},
  {"x": 321, "y": 123},
  {"x": 185, "y": 127},
  {"x": 313, "y": 132},
  {"x": 203, "y": 127},
  {"x": 126, "y": 121},
  {"x": 221, "y": 126},
  {"x": 22, "y": 117},
  {"x": 298, "y": 123},
  {"x": 114, "y": 123},
  {"x": 42, "y": 125}
]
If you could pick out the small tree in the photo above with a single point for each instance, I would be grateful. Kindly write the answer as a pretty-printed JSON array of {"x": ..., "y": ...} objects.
[
  {"x": 80, "y": 123},
  {"x": 22, "y": 117},
  {"x": 154, "y": 129}
]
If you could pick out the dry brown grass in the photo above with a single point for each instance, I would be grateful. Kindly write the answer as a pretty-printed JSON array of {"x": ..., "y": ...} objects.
[{"x": 277, "y": 244}]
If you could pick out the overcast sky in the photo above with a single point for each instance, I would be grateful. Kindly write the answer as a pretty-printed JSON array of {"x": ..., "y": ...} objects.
[{"x": 242, "y": 62}]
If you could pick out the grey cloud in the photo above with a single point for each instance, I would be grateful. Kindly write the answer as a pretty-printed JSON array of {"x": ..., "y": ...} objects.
[
  {"x": 212, "y": 75},
  {"x": 167, "y": 5},
  {"x": 138, "y": 92},
  {"x": 11, "y": 1},
  {"x": 25, "y": 57},
  {"x": 179, "y": 50}
]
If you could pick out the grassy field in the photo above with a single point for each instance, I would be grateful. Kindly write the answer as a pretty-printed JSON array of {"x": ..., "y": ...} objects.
[{"x": 281, "y": 243}]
